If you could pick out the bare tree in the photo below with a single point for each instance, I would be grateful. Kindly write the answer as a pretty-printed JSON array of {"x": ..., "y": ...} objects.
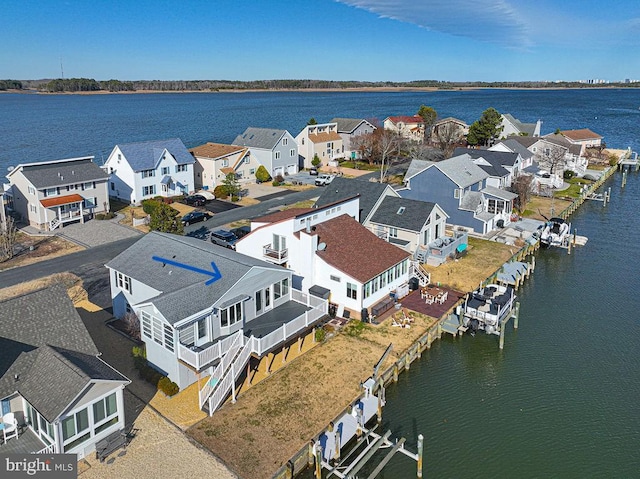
[
  {"x": 8, "y": 238},
  {"x": 552, "y": 158},
  {"x": 521, "y": 186},
  {"x": 132, "y": 325},
  {"x": 447, "y": 137}
]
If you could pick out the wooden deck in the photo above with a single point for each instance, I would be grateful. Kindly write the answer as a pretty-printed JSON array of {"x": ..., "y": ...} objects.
[{"x": 414, "y": 302}]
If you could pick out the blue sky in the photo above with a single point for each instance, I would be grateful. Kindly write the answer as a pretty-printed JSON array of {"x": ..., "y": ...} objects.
[{"x": 368, "y": 40}]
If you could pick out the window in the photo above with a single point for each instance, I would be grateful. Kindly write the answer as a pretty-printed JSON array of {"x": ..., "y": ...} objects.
[
  {"x": 374, "y": 285},
  {"x": 148, "y": 190},
  {"x": 32, "y": 190},
  {"x": 231, "y": 315},
  {"x": 181, "y": 168},
  {"x": 383, "y": 280},
  {"x": 367, "y": 289},
  {"x": 335, "y": 278},
  {"x": 400, "y": 210},
  {"x": 456, "y": 193},
  {"x": 105, "y": 413},
  {"x": 405, "y": 264},
  {"x": 225, "y": 163},
  {"x": 352, "y": 291},
  {"x": 113, "y": 186},
  {"x": 165, "y": 170},
  {"x": 277, "y": 155},
  {"x": 252, "y": 171},
  {"x": 90, "y": 202},
  {"x": 285, "y": 286},
  {"x": 247, "y": 159},
  {"x": 33, "y": 208},
  {"x": 89, "y": 185},
  {"x": 50, "y": 192},
  {"x": 168, "y": 337},
  {"x": 75, "y": 424},
  {"x": 148, "y": 173},
  {"x": 285, "y": 141},
  {"x": 393, "y": 232},
  {"x": 495, "y": 206},
  {"x": 292, "y": 152},
  {"x": 123, "y": 282},
  {"x": 71, "y": 187},
  {"x": 153, "y": 328}
]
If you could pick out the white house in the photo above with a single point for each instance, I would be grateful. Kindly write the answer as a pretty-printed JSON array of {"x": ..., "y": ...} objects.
[
  {"x": 410, "y": 127},
  {"x": 513, "y": 127},
  {"x": 583, "y": 137},
  {"x": 49, "y": 194},
  {"x": 325, "y": 248},
  {"x": 350, "y": 128},
  {"x": 322, "y": 140},
  {"x": 138, "y": 171},
  {"x": 276, "y": 150},
  {"x": 205, "y": 310},
  {"x": 63, "y": 396},
  {"x": 214, "y": 161}
]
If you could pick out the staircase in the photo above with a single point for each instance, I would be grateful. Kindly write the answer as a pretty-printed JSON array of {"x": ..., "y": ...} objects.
[
  {"x": 54, "y": 223},
  {"x": 218, "y": 372},
  {"x": 415, "y": 270}
]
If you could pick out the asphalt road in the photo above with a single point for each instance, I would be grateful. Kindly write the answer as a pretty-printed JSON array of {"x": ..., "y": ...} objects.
[{"x": 217, "y": 206}]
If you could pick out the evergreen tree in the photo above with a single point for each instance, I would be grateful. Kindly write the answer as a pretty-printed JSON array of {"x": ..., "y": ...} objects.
[
  {"x": 429, "y": 116},
  {"x": 164, "y": 218},
  {"x": 485, "y": 130}
]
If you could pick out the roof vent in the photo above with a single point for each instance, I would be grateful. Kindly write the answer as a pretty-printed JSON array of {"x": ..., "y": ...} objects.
[
  {"x": 322, "y": 246},
  {"x": 400, "y": 210}
]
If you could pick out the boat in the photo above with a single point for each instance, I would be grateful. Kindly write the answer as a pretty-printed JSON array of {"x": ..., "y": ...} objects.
[
  {"x": 486, "y": 308},
  {"x": 555, "y": 232}
]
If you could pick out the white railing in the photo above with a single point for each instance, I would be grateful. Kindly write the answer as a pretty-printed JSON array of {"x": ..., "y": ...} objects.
[
  {"x": 308, "y": 299},
  {"x": 220, "y": 370},
  {"x": 416, "y": 270},
  {"x": 226, "y": 383},
  {"x": 199, "y": 359},
  {"x": 50, "y": 449},
  {"x": 53, "y": 224},
  {"x": 274, "y": 254}
]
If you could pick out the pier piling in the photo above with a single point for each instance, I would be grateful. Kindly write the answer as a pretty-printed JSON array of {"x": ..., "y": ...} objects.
[
  {"x": 516, "y": 315},
  {"x": 420, "y": 446}
]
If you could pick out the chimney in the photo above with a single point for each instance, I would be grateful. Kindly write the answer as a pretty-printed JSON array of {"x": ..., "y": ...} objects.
[{"x": 308, "y": 228}]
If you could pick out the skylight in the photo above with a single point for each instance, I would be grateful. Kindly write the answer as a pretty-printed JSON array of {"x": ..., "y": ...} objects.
[{"x": 400, "y": 210}]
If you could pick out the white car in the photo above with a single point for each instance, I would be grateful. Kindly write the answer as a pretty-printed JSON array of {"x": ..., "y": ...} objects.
[{"x": 324, "y": 180}]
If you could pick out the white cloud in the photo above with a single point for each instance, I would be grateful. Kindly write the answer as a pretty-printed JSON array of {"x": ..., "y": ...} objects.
[{"x": 493, "y": 21}]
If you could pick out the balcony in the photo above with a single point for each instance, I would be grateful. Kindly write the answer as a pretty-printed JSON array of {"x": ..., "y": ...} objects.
[
  {"x": 437, "y": 252},
  {"x": 277, "y": 256},
  {"x": 27, "y": 442}
]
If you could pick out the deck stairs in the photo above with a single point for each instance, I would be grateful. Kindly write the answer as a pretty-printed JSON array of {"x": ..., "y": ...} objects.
[
  {"x": 217, "y": 373},
  {"x": 54, "y": 223},
  {"x": 451, "y": 325},
  {"x": 415, "y": 270}
]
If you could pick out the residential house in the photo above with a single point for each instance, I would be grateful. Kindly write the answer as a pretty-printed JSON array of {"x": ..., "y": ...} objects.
[
  {"x": 139, "y": 171},
  {"x": 214, "y": 161},
  {"x": 512, "y": 145},
  {"x": 64, "y": 397},
  {"x": 502, "y": 166},
  {"x": 459, "y": 186},
  {"x": 583, "y": 137},
  {"x": 449, "y": 130},
  {"x": 49, "y": 194},
  {"x": 410, "y": 127},
  {"x": 324, "y": 246},
  {"x": 321, "y": 140},
  {"x": 205, "y": 310},
  {"x": 350, "y": 128},
  {"x": 276, "y": 150},
  {"x": 513, "y": 127}
]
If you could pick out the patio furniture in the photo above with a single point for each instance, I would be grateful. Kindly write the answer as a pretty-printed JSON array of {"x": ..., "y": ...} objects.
[{"x": 9, "y": 426}]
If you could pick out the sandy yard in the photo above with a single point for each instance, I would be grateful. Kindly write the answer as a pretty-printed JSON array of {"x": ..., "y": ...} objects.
[{"x": 44, "y": 247}]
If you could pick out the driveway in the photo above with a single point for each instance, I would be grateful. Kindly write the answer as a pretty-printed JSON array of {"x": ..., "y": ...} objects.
[
  {"x": 97, "y": 232},
  {"x": 219, "y": 206}
]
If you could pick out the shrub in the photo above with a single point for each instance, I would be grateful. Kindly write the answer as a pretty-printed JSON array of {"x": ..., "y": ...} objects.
[
  {"x": 568, "y": 174},
  {"x": 613, "y": 160},
  {"x": 316, "y": 161},
  {"x": 321, "y": 334},
  {"x": 149, "y": 206},
  {"x": 167, "y": 386},
  {"x": 262, "y": 175},
  {"x": 220, "y": 191},
  {"x": 275, "y": 183},
  {"x": 279, "y": 179},
  {"x": 105, "y": 216}
]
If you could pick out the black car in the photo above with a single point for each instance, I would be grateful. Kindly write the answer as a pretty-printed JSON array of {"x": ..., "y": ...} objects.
[
  {"x": 194, "y": 217},
  {"x": 241, "y": 231},
  {"x": 195, "y": 200}
]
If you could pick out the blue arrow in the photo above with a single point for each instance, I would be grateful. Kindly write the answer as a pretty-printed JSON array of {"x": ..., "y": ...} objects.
[{"x": 215, "y": 274}]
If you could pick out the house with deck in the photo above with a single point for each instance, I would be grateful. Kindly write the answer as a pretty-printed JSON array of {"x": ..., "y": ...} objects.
[
  {"x": 511, "y": 126},
  {"x": 61, "y": 396},
  {"x": 214, "y": 161},
  {"x": 139, "y": 171},
  {"x": 274, "y": 149},
  {"x": 512, "y": 145},
  {"x": 50, "y": 194},
  {"x": 332, "y": 256},
  {"x": 460, "y": 187},
  {"x": 321, "y": 140},
  {"x": 448, "y": 130},
  {"x": 501, "y": 166},
  {"x": 409, "y": 127},
  {"x": 205, "y": 311},
  {"x": 584, "y": 137},
  {"x": 350, "y": 129}
]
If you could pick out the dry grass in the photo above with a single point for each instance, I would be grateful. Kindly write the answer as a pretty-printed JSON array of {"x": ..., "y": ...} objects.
[
  {"x": 70, "y": 281},
  {"x": 548, "y": 207},
  {"x": 275, "y": 418},
  {"x": 483, "y": 258},
  {"x": 297, "y": 187},
  {"x": 300, "y": 204},
  {"x": 247, "y": 201},
  {"x": 45, "y": 247}
]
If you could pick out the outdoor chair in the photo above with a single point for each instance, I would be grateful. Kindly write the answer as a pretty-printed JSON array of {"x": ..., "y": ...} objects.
[{"x": 9, "y": 426}]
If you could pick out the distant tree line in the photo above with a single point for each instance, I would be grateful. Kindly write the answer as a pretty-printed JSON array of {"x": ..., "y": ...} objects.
[{"x": 90, "y": 84}]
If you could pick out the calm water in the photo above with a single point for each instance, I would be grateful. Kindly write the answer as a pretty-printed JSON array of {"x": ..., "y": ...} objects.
[{"x": 561, "y": 400}]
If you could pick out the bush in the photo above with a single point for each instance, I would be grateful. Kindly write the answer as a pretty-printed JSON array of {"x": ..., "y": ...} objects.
[
  {"x": 568, "y": 174},
  {"x": 275, "y": 183},
  {"x": 105, "y": 216},
  {"x": 321, "y": 334},
  {"x": 167, "y": 386},
  {"x": 262, "y": 175},
  {"x": 279, "y": 179},
  {"x": 220, "y": 191},
  {"x": 613, "y": 160},
  {"x": 149, "y": 206}
]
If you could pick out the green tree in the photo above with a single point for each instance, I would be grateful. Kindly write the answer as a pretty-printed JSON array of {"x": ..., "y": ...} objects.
[
  {"x": 316, "y": 161},
  {"x": 232, "y": 186},
  {"x": 485, "y": 130},
  {"x": 262, "y": 175},
  {"x": 312, "y": 121},
  {"x": 164, "y": 218},
  {"x": 429, "y": 116}
]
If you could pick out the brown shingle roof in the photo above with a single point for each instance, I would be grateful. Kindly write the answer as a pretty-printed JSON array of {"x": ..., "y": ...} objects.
[
  {"x": 324, "y": 137},
  {"x": 580, "y": 135},
  {"x": 215, "y": 150},
  {"x": 282, "y": 215},
  {"x": 407, "y": 119},
  {"x": 61, "y": 200},
  {"x": 355, "y": 250}
]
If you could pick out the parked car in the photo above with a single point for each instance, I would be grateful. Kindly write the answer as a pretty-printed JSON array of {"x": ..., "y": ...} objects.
[
  {"x": 224, "y": 238},
  {"x": 313, "y": 171},
  {"x": 195, "y": 217},
  {"x": 324, "y": 180},
  {"x": 241, "y": 231},
  {"x": 195, "y": 200}
]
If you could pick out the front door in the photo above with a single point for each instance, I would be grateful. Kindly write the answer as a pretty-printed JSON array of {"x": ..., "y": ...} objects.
[{"x": 267, "y": 298}]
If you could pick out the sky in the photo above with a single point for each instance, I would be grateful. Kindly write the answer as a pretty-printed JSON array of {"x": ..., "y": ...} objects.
[{"x": 365, "y": 40}]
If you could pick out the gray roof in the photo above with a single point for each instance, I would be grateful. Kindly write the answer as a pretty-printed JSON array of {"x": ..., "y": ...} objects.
[
  {"x": 347, "y": 125},
  {"x": 562, "y": 141},
  {"x": 146, "y": 155},
  {"x": 517, "y": 147},
  {"x": 525, "y": 141},
  {"x": 66, "y": 172},
  {"x": 182, "y": 292},
  {"x": 528, "y": 128},
  {"x": 496, "y": 158},
  {"x": 265, "y": 138},
  {"x": 471, "y": 200},
  {"x": 499, "y": 193},
  {"x": 462, "y": 170},
  {"x": 45, "y": 343},
  {"x": 412, "y": 218},
  {"x": 341, "y": 188},
  {"x": 416, "y": 166}
]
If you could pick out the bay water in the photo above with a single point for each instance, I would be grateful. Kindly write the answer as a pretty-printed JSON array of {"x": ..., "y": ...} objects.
[{"x": 561, "y": 399}]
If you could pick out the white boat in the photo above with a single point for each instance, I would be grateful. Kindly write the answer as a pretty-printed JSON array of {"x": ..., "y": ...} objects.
[
  {"x": 555, "y": 232},
  {"x": 486, "y": 308}
]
